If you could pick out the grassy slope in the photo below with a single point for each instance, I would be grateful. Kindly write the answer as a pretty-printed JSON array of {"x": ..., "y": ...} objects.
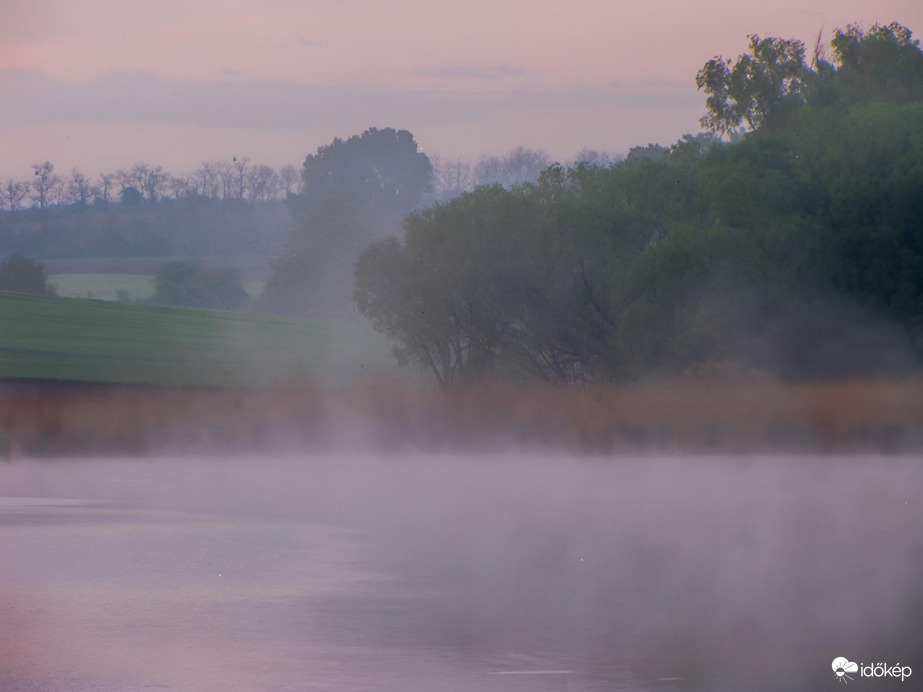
[{"x": 89, "y": 340}]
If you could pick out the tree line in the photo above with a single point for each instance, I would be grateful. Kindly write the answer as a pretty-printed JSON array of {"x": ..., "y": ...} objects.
[
  {"x": 229, "y": 207},
  {"x": 237, "y": 179},
  {"x": 357, "y": 190},
  {"x": 242, "y": 180},
  {"x": 787, "y": 237}
]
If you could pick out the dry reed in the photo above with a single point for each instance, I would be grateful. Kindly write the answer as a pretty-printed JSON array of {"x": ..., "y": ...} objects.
[{"x": 686, "y": 416}]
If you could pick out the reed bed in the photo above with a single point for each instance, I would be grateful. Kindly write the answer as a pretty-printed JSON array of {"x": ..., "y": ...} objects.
[{"x": 683, "y": 416}]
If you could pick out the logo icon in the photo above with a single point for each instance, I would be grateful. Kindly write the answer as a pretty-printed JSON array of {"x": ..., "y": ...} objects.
[{"x": 841, "y": 667}]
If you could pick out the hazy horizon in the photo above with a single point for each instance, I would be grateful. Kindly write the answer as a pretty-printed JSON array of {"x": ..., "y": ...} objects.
[{"x": 103, "y": 85}]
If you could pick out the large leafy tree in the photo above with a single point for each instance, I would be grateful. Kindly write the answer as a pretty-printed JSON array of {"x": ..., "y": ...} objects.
[
  {"x": 448, "y": 294},
  {"x": 797, "y": 248},
  {"x": 882, "y": 64},
  {"x": 768, "y": 80},
  {"x": 355, "y": 190},
  {"x": 771, "y": 80},
  {"x": 382, "y": 171}
]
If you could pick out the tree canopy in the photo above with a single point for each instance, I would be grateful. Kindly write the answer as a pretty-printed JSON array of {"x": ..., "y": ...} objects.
[
  {"x": 772, "y": 79},
  {"x": 381, "y": 170},
  {"x": 185, "y": 283},
  {"x": 796, "y": 249},
  {"x": 24, "y": 275},
  {"x": 355, "y": 190},
  {"x": 769, "y": 79}
]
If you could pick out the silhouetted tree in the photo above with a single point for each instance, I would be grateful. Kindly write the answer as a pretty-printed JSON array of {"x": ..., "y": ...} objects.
[
  {"x": 761, "y": 84},
  {"x": 131, "y": 197},
  {"x": 521, "y": 165},
  {"x": 188, "y": 284},
  {"x": 45, "y": 184},
  {"x": 381, "y": 171},
  {"x": 884, "y": 63},
  {"x": 24, "y": 275},
  {"x": 14, "y": 193},
  {"x": 80, "y": 190}
]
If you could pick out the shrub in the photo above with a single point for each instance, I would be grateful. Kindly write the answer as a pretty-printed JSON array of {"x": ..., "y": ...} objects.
[
  {"x": 185, "y": 283},
  {"x": 24, "y": 275}
]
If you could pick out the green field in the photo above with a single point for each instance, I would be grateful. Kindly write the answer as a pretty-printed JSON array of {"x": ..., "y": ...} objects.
[
  {"x": 251, "y": 267},
  {"x": 93, "y": 340},
  {"x": 126, "y": 287},
  {"x": 130, "y": 287},
  {"x": 131, "y": 279}
]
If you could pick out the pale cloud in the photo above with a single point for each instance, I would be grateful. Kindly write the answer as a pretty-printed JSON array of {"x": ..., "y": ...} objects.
[
  {"x": 473, "y": 72},
  {"x": 184, "y": 78},
  {"x": 141, "y": 97}
]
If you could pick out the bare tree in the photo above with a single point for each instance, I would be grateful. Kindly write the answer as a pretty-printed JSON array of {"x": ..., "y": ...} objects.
[
  {"x": 521, "y": 165},
  {"x": 488, "y": 170},
  {"x": 205, "y": 180},
  {"x": 263, "y": 183},
  {"x": 106, "y": 181},
  {"x": 181, "y": 187},
  {"x": 153, "y": 181},
  {"x": 452, "y": 175},
  {"x": 45, "y": 184},
  {"x": 596, "y": 159},
  {"x": 150, "y": 181},
  {"x": 227, "y": 175},
  {"x": 290, "y": 180},
  {"x": 128, "y": 177},
  {"x": 524, "y": 165},
  {"x": 198, "y": 181},
  {"x": 79, "y": 188},
  {"x": 15, "y": 192},
  {"x": 240, "y": 168}
]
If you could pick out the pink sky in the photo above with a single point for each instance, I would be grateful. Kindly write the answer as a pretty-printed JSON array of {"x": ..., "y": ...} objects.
[{"x": 102, "y": 84}]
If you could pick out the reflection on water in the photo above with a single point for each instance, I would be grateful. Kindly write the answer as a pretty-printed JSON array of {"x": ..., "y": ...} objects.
[{"x": 457, "y": 573}]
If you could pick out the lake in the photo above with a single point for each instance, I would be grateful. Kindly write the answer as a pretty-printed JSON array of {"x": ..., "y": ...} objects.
[{"x": 458, "y": 572}]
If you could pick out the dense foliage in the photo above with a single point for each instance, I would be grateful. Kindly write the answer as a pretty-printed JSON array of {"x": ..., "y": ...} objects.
[
  {"x": 354, "y": 191},
  {"x": 223, "y": 207},
  {"x": 772, "y": 80},
  {"x": 164, "y": 228},
  {"x": 379, "y": 169},
  {"x": 24, "y": 275},
  {"x": 798, "y": 248},
  {"x": 187, "y": 284}
]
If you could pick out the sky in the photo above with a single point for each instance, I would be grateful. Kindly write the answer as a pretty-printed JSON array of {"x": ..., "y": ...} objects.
[{"x": 103, "y": 84}]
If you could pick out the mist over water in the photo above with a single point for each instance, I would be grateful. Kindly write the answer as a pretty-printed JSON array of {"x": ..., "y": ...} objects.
[{"x": 453, "y": 572}]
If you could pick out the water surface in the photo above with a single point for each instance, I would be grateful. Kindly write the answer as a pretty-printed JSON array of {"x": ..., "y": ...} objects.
[{"x": 491, "y": 572}]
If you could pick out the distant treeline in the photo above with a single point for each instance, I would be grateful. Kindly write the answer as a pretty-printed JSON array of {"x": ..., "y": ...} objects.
[
  {"x": 168, "y": 227},
  {"x": 787, "y": 237},
  {"x": 796, "y": 248},
  {"x": 222, "y": 207},
  {"x": 231, "y": 207},
  {"x": 238, "y": 179}
]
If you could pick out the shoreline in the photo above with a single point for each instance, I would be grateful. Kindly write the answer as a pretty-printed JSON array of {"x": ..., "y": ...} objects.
[{"x": 65, "y": 418}]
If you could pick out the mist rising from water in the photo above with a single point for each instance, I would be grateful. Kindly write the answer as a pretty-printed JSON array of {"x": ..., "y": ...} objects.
[{"x": 718, "y": 571}]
